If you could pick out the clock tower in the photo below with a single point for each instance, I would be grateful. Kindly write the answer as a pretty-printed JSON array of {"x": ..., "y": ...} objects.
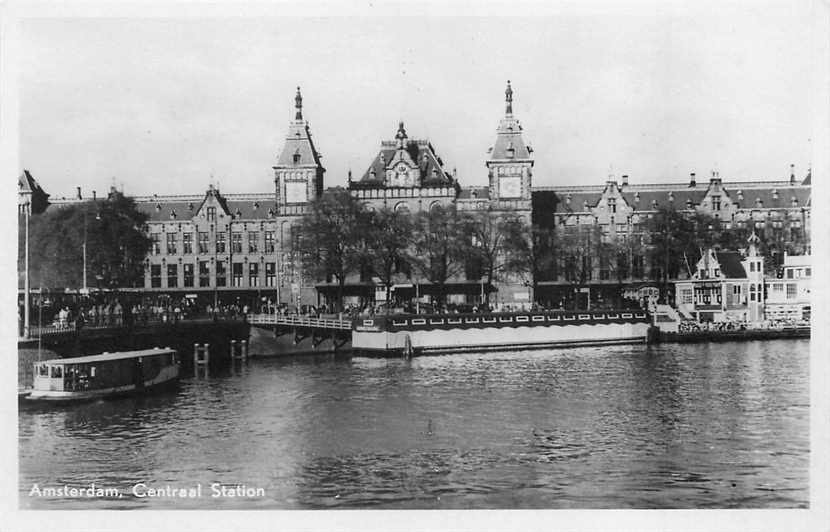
[
  {"x": 298, "y": 174},
  {"x": 510, "y": 164}
]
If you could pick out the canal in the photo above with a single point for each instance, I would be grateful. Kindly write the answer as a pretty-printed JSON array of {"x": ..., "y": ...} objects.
[{"x": 669, "y": 426}]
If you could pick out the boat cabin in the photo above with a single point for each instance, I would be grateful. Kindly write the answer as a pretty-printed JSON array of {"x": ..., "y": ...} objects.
[{"x": 107, "y": 370}]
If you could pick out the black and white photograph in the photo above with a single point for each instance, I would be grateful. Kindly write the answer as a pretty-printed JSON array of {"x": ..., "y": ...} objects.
[{"x": 443, "y": 262}]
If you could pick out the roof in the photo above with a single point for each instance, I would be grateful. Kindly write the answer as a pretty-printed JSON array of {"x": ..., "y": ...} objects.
[
  {"x": 730, "y": 264},
  {"x": 248, "y": 206},
  {"x": 509, "y": 136},
  {"x": 109, "y": 356},
  {"x": 418, "y": 152},
  {"x": 797, "y": 260},
  {"x": 298, "y": 142}
]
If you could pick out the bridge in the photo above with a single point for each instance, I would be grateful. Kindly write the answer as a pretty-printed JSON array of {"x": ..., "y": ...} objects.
[{"x": 318, "y": 330}]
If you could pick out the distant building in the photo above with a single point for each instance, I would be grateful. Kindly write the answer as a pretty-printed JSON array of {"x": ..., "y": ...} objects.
[
  {"x": 725, "y": 286},
  {"x": 217, "y": 245},
  {"x": 788, "y": 296}
]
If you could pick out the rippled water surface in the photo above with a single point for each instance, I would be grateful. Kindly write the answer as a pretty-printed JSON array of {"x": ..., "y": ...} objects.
[{"x": 672, "y": 426}]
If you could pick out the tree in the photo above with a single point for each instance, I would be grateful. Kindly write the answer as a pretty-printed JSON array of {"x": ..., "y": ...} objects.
[
  {"x": 530, "y": 251},
  {"x": 490, "y": 236},
  {"x": 438, "y": 246},
  {"x": 578, "y": 245},
  {"x": 112, "y": 231},
  {"x": 329, "y": 241},
  {"x": 386, "y": 240}
]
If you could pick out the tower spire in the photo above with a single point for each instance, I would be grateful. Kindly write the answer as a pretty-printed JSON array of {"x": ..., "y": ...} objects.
[
  {"x": 401, "y": 135},
  {"x": 298, "y": 103},
  {"x": 508, "y": 98}
]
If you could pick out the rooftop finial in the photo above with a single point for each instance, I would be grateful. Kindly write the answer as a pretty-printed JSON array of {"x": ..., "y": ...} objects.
[
  {"x": 298, "y": 103},
  {"x": 508, "y": 98},
  {"x": 401, "y": 135}
]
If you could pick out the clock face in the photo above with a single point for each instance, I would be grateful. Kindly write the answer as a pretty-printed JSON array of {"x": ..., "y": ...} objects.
[
  {"x": 510, "y": 187},
  {"x": 295, "y": 192},
  {"x": 402, "y": 169},
  {"x": 400, "y": 175}
]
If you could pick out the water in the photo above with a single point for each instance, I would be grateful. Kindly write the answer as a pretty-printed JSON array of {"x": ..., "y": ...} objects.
[{"x": 672, "y": 426}]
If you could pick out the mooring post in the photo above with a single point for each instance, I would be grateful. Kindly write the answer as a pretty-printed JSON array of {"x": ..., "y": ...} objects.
[
  {"x": 245, "y": 349},
  {"x": 233, "y": 349},
  {"x": 201, "y": 357}
]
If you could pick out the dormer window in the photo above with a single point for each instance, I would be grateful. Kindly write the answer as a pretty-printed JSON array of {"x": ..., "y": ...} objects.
[
  {"x": 585, "y": 205},
  {"x": 715, "y": 203},
  {"x": 173, "y": 214},
  {"x": 511, "y": 151},
  {"x": 654, "y": 203},
  {"x": 190, "y": 206},
  {"x": 158, "y": 206},
  {"x": 689, "y": 203},
  {"x": 775, "y": 193},
  {"x": 256, "y": 205},
  {"x": 568, "y": 199},
  {"x": 612, "y": 204},
  {"x": 296, "y": 158},
  {"x": 271, "y": 212},
  {"x": 740, "y": 194},
  {"x": 794, "y": 201},
  {"x": 671, "y": 196},
  {"x": 372, "y": 173},
  {"x": 211, "y": 213},
  {"x": 238, "y": 213},
  {"x": 759, "y": 202}
]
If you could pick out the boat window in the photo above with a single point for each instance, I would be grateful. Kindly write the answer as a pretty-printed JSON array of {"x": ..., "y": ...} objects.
[
  {"x": 57, "y": 372},
  {"x": 92, "y": 371},
  {"x": 43, "y": 370}
]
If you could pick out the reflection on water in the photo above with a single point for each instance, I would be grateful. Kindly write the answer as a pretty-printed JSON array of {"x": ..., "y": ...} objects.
[{"x": 672, "y": 426}]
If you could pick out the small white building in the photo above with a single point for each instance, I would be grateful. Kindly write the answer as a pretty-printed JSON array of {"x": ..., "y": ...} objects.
[
  {"x": 788, "y": 297},
  {"x": 726, "y": 286}
]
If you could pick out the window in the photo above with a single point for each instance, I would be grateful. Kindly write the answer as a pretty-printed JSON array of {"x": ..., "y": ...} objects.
[
  {"x": 252, "y": 242},
  {"x": 808, "y": 272},
  {"x": 686, "y": 297},
  {"x": 716, "y": 273},
  {"x": 203, "y": 241},
  {"x": 221, "y": 273},
  {"x": 778, "y": 288},
  {"x": 211, "y": 214},
  {"x": 204, "y": 273},
  {"x": 236, "y": 243},
  {"x": 188, "y": 274},
  {"x": 187, "y": 243},
  {"x": 612, "y": 205},
  {"x": 155, "y": 275},
  {"x": 789, "y": 273},
  {"x": 172, "y": 275},
  {"x": 751, "y": 266},
  {"x": 792, "y": 290},
  {"x": 156, "y": 240},
  {"x": 171, "y": 243},
  {"x": 752, "y": 292},
  {"x": 269, "y": 241},
  {"x": 237, "y": 273},
  {"x": 253, "y": 274},
  {"x": 270, "y": 273},
  {"x": 715, "y": 203},
  {"x": 736, "y": 289},
  {"x": 220, "y": 242}
]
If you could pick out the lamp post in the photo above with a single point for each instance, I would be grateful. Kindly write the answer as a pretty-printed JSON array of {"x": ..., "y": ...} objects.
[{"x": 26, "y": 324}]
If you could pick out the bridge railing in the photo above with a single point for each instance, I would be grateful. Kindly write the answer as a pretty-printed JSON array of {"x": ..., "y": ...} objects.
[
  {"x": 117, "y": 322},
  {"x": 302, "y": 321}
]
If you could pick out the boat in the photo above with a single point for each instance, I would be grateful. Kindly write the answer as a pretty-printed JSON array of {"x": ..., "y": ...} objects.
[
  {"x": 104, "y": 375},
  {"x": 447, "y": 333}
]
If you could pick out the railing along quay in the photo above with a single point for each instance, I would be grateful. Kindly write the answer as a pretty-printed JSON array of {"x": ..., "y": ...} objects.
[
  {"x": 302, "y": 321},
  {"x": 119, "y": 323}
]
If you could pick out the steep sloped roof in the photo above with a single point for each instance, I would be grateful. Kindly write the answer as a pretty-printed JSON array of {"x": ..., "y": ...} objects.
[{"x": 730, "y": 264}]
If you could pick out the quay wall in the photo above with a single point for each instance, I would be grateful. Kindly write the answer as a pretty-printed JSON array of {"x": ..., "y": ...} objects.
[{"x": 264, "y": 343}]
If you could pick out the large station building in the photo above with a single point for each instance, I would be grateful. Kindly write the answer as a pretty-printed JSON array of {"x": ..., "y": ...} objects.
[{"x": 215, "y": 245}]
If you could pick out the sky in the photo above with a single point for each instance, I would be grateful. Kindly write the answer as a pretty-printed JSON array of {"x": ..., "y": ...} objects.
[{"x": 170, "y": 105}]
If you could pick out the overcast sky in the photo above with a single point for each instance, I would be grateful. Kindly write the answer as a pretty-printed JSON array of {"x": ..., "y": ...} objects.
[{"x": 161, "y": 105}]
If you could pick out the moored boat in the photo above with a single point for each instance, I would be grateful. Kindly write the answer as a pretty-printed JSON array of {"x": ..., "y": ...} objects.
[
  {"x": 104, "y": 375},
  {"x": 444, "y": 333}
]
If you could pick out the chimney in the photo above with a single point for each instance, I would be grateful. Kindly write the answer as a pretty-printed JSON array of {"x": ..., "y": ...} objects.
[
  {"x": 792, "y": 174},
  {"x": 625, "y": 180},
  {"x": 79, "y": 193},
  {"x": 692, "y": 182}
]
